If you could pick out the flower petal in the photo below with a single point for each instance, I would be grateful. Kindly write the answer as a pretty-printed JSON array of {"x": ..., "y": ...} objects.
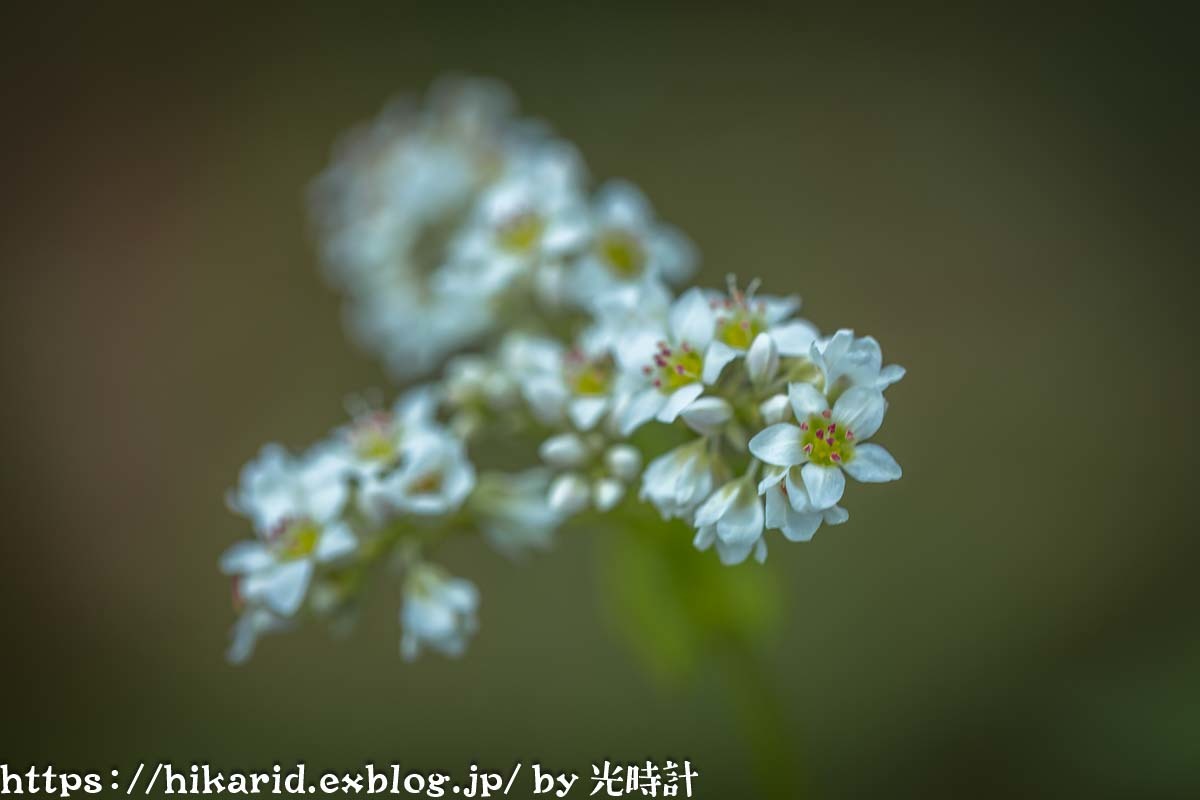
[
  {"x": 872, "y": 464},
  {"x": 825, "y": 484},
  {"x": 779, "y": 445},
  {"x": 336, "y": 541},
  {"x": 691, "y": 319},
  {"x": 762, "y": 360},
  {"x": 716, "y": 505},
  {"x": 707, "y": 414},
  {"x": 585, "y": 412},
  {"x": 705, "y": 537},
  {"x": 794, "y": 338},
  {"x": 743, "y": 522},
  {"x": 806, "y": 400},
  {"x": 280, "y": 588},
  {"x": 861, "y": 410},
  {"x": 678, "y": 401},
  {"x": 245, "y": 557},
  {"x": 715, "y": 358},
  {"x": 640, "y": 409}
]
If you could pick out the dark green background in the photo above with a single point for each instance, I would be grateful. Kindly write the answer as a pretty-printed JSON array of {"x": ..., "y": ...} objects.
[{"x": 1002, "y": 201}]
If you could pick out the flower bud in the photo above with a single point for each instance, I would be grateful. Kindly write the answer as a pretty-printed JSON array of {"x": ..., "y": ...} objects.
[
  {"x": 564, "y": 450},
  {"x": 623, "y": 461},
  {"x": 775, "y": 409},
  {"x": 762, "y": 362},
  {"x": 568, "y": 494},
  {"x": 707, "y": 414},
  {"x": 606, "y": 493}
]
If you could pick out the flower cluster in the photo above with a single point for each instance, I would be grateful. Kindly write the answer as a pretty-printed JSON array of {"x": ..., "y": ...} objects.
[{"x": 466, "y": 238}]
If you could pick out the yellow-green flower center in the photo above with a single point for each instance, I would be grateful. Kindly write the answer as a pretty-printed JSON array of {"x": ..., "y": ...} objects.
[
  {"x": 739, "y": 320},
  {"x": 826, "y": 442},
  {"x": 676, "y": 367},
  {"x": 295, "y": 538},
  {"x": 622, "y": 251},
  {"x": 588, "y": 376},
  {"x": 374, "y": 437},
  {"x": 521, "y": 233}
]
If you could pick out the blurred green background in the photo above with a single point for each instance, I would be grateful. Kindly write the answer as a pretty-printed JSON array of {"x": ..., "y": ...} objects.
[{"x": 1000, "y": 200}]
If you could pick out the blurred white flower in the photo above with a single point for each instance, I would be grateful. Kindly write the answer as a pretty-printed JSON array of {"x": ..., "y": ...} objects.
[
  {"x": 438, "y": 612},
  {"x": 433, "y": 479},
  {"x": 295, "y": 504},
  {"x": 679, "y": 480},
  {"x": 628, "y": 246},
  {"x": 827, "y": 441},
  {"x": 513, "y": 511}
]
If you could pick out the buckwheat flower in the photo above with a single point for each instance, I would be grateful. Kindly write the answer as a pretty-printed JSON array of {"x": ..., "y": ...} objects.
[
  {"x": 578, "y": 385},
  {"x": 668, "y": 363},
  {"x": 846, "y": 360},
  {"x": 296, "y": 506},
  {"x": 825, "y": 441},
  {"x": 375, "y": 439},
  {"x": 438, "y": 612},
  {"x": 732, "y": 518},
  {"x": 679, "y": 480},
  {"x": 533, "y": 216},
  {"x": 740, "y": 320},
  {"x": 433, "y": 479},
  {"x": 513, "y": 511},
  {"x": 789, "y": 509},
  {"x": 628, "y": 246}
]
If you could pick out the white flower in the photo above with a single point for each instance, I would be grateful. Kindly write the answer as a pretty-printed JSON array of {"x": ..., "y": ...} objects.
[
  {"x": 846, "y": 360},
  {"x": 827, "y": 441},
  {"x": 789, "y": 509},
  {"x": 668, "y": 363},
  {"x": 677, "y": 481},
  {"x": 513, "y": 511},
  {"x": 760, "y": 327},
  {"x": 438, "y": 612},
  {"x": 295, "y": 505},
  {"x": 576, "y": 386},
  {"x": 532, "y": 217},
  {"x": 623, "y": 461},
  {"x": 628, "y": 247},
  {"x": 732, "y": 518},
  {"x": 434, "y": 478},
  {"x": 376, "y": 440}
]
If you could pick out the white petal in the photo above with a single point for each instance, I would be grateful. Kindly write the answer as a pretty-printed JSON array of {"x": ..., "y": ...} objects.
[
  {"x": 772, "y": 476},
  {"x": 707, "y": 414},
  {"x": 641, "y": 408},
  {"x": 760, "y": 550},
  {"x": 836, "y": 515},
  {"x": 801, "y": 525},
  {"x": 619, "y": 202},
  {"x": 245, "y": 557},
  {"x": 762, "y": 360},
  {"x": 715, "y": 358},
  {"x": 705, "y": 537},
  {"x": 691, "y": 319},
  {"x": 825, "y": 484},
  {"x": 680, "y": 399},
  {"x": 280, "y": 588},
  {"x": 336, "y": 541},
  {"x": 732, "y": 553},
  {"x": 806, "y": 400},
  {"x": 778, "y": 445},
  {"x": 743, "y": 522},
  {"x": 797, "y": 495},
  {"x": 716, "y": 505},
  {"x": 861, "y": 410},
  {"x": 794, "y": 338},
  {"x": 872, "y": 464},
  {"x": 585, "y": 412},
  {"x": 776, "y": 508},
  {"x": 889, "y": 375}
]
